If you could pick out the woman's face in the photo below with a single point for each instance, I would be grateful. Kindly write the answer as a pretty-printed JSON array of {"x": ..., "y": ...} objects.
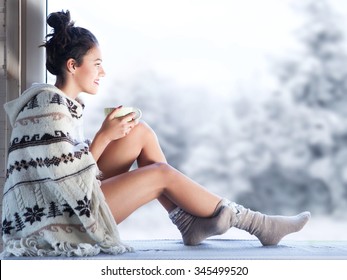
[{"x": 88, "y": 74}]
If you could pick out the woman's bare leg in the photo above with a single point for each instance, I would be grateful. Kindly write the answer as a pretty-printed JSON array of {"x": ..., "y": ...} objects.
[
  {"x": 140, "y": 145},
  {"x": 155, "y": 179},
  {"x": 128, "y": 191}
]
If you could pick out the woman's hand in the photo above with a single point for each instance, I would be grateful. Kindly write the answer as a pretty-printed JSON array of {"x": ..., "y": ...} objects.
[{"x": 112, "y": 129}]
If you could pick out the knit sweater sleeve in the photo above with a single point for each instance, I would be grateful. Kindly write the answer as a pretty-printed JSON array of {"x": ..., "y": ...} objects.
[{"x": 51, "y": 192}]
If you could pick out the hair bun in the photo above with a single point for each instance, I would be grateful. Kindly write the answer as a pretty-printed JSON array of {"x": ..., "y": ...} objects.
[{"x": 60, "y": 20}]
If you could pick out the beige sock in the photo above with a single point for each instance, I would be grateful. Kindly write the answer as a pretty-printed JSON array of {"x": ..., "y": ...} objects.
[
  {"x": 272, "y": 229},
  {"x": 268, "y": 229}
]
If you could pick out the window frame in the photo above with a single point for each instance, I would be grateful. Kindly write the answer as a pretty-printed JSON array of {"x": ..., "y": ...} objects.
[{"x": 24, "y": 62}]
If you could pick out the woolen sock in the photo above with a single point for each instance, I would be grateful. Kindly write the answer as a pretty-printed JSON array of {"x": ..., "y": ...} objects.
[
  {"x": 194, "y": 229},
  {"x": 268, "y": 229}
]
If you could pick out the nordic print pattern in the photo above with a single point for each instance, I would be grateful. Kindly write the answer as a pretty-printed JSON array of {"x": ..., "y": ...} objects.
[
  {"x": 45, "y": 162},
  {"x": 37, "y": 214},
  {"x": 47, "y": 138}
]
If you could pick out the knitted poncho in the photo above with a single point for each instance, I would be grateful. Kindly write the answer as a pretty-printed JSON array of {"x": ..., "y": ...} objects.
[{"x": 52, "y": 201}]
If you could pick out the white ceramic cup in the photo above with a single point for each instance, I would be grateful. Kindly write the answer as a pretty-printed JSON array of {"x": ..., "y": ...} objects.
[{"x": 124, "y": 111}]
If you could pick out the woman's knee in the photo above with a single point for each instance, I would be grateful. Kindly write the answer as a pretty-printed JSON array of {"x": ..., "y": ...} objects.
[
  {"x": 144, "y": 131},
  {"x": 164, "y": 170}
]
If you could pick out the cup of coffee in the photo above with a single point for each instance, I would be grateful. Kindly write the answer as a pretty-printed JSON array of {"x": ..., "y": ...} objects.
[{"x": 124, "y": 111}]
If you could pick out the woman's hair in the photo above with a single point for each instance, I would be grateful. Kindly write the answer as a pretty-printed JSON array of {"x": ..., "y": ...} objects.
[{"x": 65, "y": 42}]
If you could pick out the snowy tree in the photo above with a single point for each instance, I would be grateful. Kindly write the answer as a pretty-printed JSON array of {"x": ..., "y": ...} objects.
[
  {"x": 318, "y": 80},
  {"x": 318, "y": 76},
  {"x": 302, "y": 129}
]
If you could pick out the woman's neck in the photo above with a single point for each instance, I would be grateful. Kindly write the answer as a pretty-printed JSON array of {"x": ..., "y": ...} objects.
[{"x": 69, "y": 91}]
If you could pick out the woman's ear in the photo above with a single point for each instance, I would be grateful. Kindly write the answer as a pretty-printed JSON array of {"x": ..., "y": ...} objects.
[{"x": 71, "y": 65}]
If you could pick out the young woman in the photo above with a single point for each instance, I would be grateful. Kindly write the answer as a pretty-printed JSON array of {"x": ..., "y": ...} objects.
[{"x": 64, "y": 195}]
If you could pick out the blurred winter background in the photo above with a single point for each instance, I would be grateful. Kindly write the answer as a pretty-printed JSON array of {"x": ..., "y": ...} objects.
[{"x": 249, "y": 98}]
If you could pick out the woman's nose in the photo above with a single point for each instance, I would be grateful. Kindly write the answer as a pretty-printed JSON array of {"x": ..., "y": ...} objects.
[{"x": 102, "y": 72}]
